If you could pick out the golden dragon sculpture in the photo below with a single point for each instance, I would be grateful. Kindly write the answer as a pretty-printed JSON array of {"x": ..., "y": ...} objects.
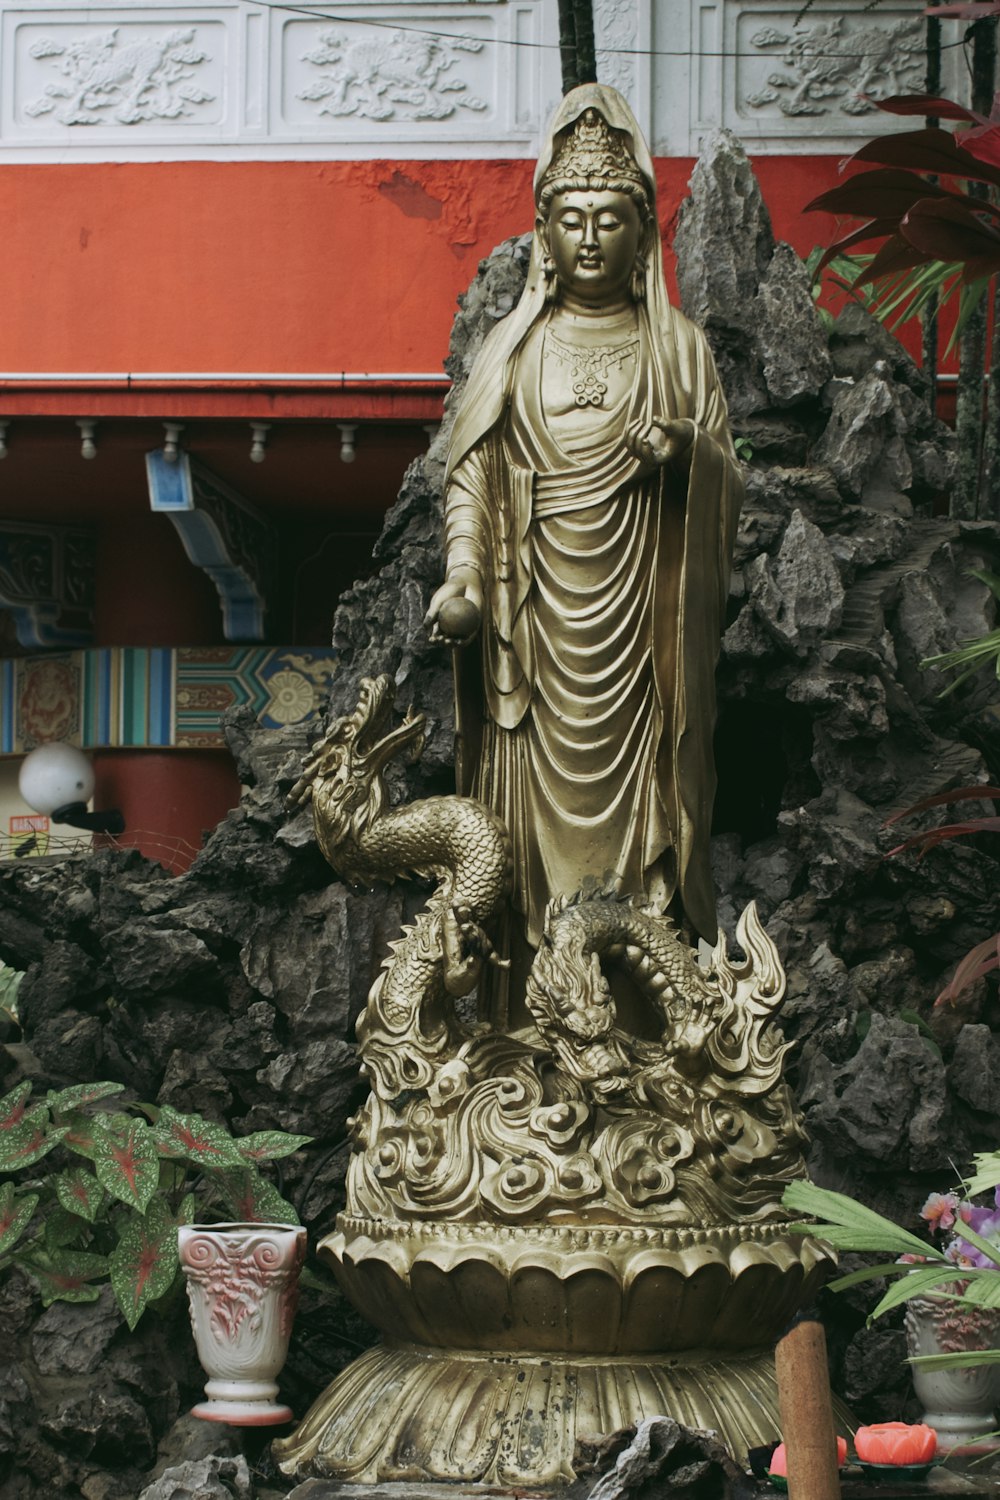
[{"x": 687, "y": 1128}]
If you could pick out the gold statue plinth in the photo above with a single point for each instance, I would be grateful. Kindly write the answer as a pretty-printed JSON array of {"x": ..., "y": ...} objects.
[
  {"x": 566, "y": 1216},
  {"x": 501, "y": 1349}
]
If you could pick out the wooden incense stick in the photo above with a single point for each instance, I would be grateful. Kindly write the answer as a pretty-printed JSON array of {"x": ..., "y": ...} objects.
[{"x": 807, "y": 1413}]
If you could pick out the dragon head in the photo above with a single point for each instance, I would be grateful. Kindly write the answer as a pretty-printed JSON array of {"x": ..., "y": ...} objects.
[
  {"x": 343, "y": 775},
  {"x": 566, "y": 990}
]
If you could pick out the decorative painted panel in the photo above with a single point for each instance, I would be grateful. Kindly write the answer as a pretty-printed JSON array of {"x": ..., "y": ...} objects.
[
  {"x": 213, "y": 78},
  {"x": 148, "y": 698}
]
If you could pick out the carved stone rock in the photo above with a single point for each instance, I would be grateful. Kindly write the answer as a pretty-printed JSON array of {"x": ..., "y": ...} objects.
[
  {"x": 790, "y": 339},
  {"x": 212, "y": 1478}
]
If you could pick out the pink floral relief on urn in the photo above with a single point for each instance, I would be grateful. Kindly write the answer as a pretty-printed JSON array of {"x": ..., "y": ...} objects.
[{"x": 243, "y": 1287}]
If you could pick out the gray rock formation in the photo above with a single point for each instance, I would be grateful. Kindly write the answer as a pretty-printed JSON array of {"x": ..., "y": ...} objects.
[
  {"x": 212, "y": 1478},
  {"x": 658, "y": 1457}
]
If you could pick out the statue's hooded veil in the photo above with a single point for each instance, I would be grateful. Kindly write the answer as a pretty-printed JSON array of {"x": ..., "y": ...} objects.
[
  {"x": 486, "y": 393},
  {"x": 698, "y": 520}
]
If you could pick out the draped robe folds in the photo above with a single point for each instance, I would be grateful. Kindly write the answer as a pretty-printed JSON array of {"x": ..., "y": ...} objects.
[{"x": 587, "y": 721}]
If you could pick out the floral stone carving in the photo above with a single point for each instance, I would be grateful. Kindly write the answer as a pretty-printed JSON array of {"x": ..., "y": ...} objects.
[{"x": 959, "y": 1404}]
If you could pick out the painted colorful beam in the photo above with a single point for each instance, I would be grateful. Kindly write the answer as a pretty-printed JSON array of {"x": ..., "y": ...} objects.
[{"x": 130, "y": 697}]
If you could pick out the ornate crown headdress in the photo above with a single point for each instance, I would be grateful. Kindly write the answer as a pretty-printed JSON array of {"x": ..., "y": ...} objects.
[{"x": 592, "y": 152}]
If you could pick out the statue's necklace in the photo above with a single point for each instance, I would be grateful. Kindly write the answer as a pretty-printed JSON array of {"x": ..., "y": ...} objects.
[{"x": 589, "y": 367}]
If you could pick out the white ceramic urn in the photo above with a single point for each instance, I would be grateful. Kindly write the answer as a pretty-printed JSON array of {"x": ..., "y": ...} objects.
[
  {"x": 242, "y": 1282},
  {"x": 959, "y": 1404}
]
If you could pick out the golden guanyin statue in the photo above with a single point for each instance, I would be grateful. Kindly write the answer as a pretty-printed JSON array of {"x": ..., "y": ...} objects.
[
  {"x": 590, "y": 508},
  {"x": 566, "y": 1215}
]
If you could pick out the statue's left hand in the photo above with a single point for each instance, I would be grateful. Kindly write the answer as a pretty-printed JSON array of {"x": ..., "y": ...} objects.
[{"x": 657, "y": 442}]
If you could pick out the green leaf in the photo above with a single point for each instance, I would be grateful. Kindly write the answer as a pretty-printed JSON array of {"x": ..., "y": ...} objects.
[
  {"x": 127, "y": 1162},
  {"x": 193, "y": 1139},
  {"x": 63, "y": 1229},
  {"x": 82, "y": 1132},
  {"x": 986, "y": 1174},
  {"x": 983, "y": 1290},
  {"x": 145, "y": 1260},
  {"x": 964, "y": 1360},
  {"x": 868, "y": 1273},
  {"x": 15, "y": 1215},
  {"x": 851, "y": 1226},
  {"x": 29, "y": 1141},
  {"x": 920, "y": 1280},
  {"x": 81, "y": 1093},
  {"x": 271, "y": 1145},
  {"x": 991, "y": 580},
  {"x": 12, "y": 1107},
  {"x": 80, "y": 1193},
  {"x": 251, "y": 1199},
  {"x": 912, "y": 1018},
  {"x": 65, "y": 1275},
  {"x": 10, "y": 983}
]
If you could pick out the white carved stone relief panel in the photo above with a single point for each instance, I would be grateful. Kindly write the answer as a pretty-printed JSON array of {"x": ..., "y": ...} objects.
[
  {"x": 345, "y": 77},
  {"x": 785, "y": 84},
  {"x": 218, "y": 78},
  {"x": 121, "y": 75},
  {"x": 146, "y": 79}
]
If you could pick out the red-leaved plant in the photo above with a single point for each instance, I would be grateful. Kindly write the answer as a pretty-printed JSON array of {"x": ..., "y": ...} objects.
[
  {"x": 931, "y": 201},
  {"x": 985, "y": 956},
  {"x": 118, "y": 1183}
]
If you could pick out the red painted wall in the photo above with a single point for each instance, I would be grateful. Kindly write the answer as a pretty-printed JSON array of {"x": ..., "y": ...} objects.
[
  {"x": 168, "y": 798},
  {"x": 147, "y": 593},
  {"x": 273, "y": 267}
]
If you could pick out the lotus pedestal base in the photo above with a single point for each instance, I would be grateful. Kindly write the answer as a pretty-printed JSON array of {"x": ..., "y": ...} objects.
[
  {"x": 504, "y": 1344},
  {"x": 412, "y": 1413}
]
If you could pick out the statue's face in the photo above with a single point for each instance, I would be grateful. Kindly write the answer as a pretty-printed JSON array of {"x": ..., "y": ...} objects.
[{"x": 593, "y": 238}]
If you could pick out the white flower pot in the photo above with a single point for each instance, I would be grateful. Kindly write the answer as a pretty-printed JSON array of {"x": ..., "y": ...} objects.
[
  {"x": 242, "y": 1284},
  {"x": 959, "y": 1404}
]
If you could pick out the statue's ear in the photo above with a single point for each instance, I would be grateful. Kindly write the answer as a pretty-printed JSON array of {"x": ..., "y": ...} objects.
[{"x": 542, "y": 230}]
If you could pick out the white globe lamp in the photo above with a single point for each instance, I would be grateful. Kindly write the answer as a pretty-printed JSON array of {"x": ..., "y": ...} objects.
[{"x": 55, "y": 776}]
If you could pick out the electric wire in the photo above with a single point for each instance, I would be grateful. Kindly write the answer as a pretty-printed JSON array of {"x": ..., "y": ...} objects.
[{"x": 314, "y": 13}]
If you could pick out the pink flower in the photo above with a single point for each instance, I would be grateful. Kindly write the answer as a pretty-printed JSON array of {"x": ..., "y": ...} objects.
[{"x": 940, "y": 1210}]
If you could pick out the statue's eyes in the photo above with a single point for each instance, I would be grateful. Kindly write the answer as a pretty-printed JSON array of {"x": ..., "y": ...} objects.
[{"x": 608, "y": 221}]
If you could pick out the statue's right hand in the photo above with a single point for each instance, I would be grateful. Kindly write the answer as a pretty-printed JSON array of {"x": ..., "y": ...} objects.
[{"x": 456, "y": 611}]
